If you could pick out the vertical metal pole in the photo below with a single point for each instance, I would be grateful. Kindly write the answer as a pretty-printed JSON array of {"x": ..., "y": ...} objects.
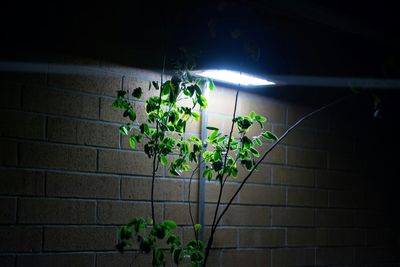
[{"x": 202, "y": 181}]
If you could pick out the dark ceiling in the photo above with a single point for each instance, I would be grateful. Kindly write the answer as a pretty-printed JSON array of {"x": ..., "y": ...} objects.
[{"x": 299, "y": 37}]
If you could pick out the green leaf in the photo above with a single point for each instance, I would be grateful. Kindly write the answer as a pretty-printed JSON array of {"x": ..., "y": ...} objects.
[
  {"x": 197, "y": 228},
  {"x": 260, "y": 118},
  {"x": 212, "y": 136},
  {"x": 177, "y": 254},
  {"x": 252, "y": 115},
  {"x": 254, "y": 152},
  {"x": 169, "y": 224},
  {"x": 132, "y": 141},
  {"x": 120, "y": 103},
  {"x": 138, "y": 138},
  {"x": 121, "y": 93},
  {"x": 196, "y": 116},
  {"x": 145, "y": 245},
  {"x": 217, "y": 165},
  {"x": 163, "y": 160},
  {"x": 211, "y": 85},
  {"x": 155, "y": 84},
  {"x": 202, "y": 101},
  {"x": 144, "y": 128},
  {"x": 124, "y": 129},
  {"x": 166, "y": 88},
  {"x": 130, "y": 113},
  {"x": 269, "y": 136},
  {"x": 208, "y": 173},
  {"x": 137, "y": 93},
  {"x": 212, "y": 128},
  {"x": 234, "y": 171},
  {"x": 248, "y": 164},
  {"x": 159, "y": 258},
  {"x": 258, "y": 141}
]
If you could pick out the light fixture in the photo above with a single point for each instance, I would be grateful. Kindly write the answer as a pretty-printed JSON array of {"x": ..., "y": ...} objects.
[{"x": 234, "y": 77}]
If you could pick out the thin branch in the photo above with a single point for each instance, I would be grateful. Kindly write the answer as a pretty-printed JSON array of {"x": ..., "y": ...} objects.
[
  {"x": 222, "y": 182},
  {"x": 273, "y": 146},
  {"x": 226, "y": 157},
  {"x": 155, "y": 153},
  {"x": 190, "y": 205}
]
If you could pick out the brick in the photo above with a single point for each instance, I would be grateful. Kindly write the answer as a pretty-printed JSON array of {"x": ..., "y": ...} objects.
[
  {"x": 212, "y": 192},
  {"x": 194, "y": 191},
  {"x": 7, "y": 260},
  {"x": 261, "y": 175},
  {"x": 127, "y": 259},
  {"x": 292, "y": 176},
  {"x": 368, "y": 218},
  {"x": 307, "y": 197},
  {"x": 381, "y": 237},
  {"x": 345, "y": 237},
  {"x": 79, "y": 238},
  {"x": 247, "y": 215},
  {"x": 82, "y": 132},
  {"x": 222, "y": 122},
  {"x": 306, "y": 158},
  {"x": 333, "y": 217},
  {"x": 109, "y": 113},
  {"x": 79, "y": 185},
  {"x": 140, "y": 189},
  {"x": 8, "y": 209},
  {"x": 370, "y": 255},
  {"x": 345, "y": 199},
  {"x": 305, "y": 138},
  {"x": 306, "y": 237},
  {"x": 99, "y": 83},
  {"x": 55, "y": 211},
  {"x": 180, "y": 213},
  {"x": 116, "y": 212},
  {"x": 15, "y": 124},
  {"x": 276, "y": 156},
  {"x": 10, "y": 95},
  {"x": 24, "y": 78},
  {"x": 223, "y": 237},
  {"x": 337, "y": 256},
  {"x": 250, "y": 238},
  {"x": 292, "y": 216},
  {"x": 20, "y": 239},
  {"x": 131, "y": 83},
  {"x": 21, "y": 182},
  {"x": 125, "y": 162},
  {"x": 243, "y": 258},
  {"x": 263, "y": 194},
  {"x": 318, "y": 121},
  {"x": 60, "y": 103},
  {"x": 336, "y": 179},
  {"x": 56, "y": 260},
  {"x": 344, "y": 161},
  {"x": 8, "y": 156},
  {"x": 292, "y": 257},
  {"x": 274, "y": 111},
  {"x": 57, "y": 156},
  {"x": 221, "y": 95}
]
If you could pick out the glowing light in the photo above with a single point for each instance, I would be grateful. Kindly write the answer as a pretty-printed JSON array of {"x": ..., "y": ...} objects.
[{"x": 234, "y": 77}]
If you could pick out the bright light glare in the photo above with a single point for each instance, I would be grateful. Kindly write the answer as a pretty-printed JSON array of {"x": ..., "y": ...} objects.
[{"x": 234, "y": 77}]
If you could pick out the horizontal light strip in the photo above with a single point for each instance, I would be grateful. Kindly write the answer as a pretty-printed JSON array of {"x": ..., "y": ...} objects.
[{"x": 234, "y": 77}]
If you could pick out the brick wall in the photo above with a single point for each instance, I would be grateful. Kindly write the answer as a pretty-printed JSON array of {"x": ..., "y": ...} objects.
[{"x": 67, "y": 180}]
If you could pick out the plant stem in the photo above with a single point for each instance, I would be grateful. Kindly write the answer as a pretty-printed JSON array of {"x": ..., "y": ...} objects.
[
  {"x": 222, "y": 182},
  {"x": 210, "y": 241},
  {"x": 155, "y": 152}
]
